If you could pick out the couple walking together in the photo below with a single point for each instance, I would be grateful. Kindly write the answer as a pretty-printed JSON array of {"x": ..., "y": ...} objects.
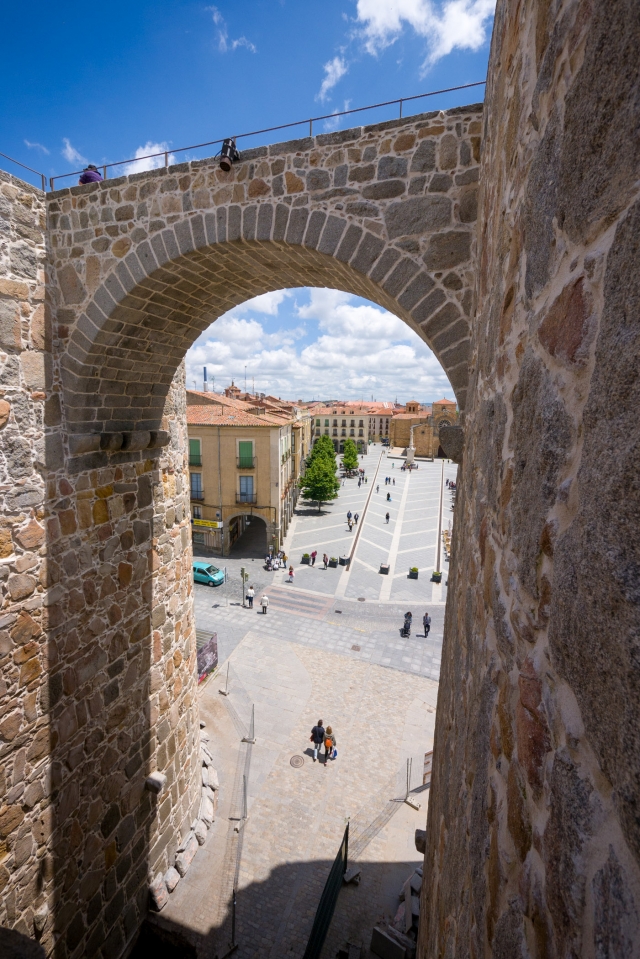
[{"x": 321, "y": 736}]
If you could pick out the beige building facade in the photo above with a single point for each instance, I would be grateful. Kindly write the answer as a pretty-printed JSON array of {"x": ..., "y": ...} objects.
[
  {"x": 340, "y": 422},
  {"x": 242, "y": 467},
  {"x": 426, "y": 422}
]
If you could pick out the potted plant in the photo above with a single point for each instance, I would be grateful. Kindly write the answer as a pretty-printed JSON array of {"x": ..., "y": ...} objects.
[
  {"x": 345, "y": 560},
  {"x": 413, "y": 572},
  {"x": 384, "y": 569},
  {"x": 333, "y": 562},
  {"x": 305, "y": 559},
  {"x": 436, "y": 577}
]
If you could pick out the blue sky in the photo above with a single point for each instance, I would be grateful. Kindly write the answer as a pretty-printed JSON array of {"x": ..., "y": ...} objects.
[{"x": 104, "y": 82}]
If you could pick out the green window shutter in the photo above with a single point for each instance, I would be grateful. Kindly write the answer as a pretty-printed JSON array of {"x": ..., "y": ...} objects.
[
  {"x": 245, "y": 453},
  {"x": 194, "y": 453}
]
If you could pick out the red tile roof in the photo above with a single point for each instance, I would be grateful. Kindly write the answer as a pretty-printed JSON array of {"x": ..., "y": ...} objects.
[{"x": 214, "y": 416}]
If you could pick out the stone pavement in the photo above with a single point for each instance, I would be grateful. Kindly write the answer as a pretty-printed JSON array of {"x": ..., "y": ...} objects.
[
  {"x": 328, "y": 647},
  {"x": 297, "y": 815}
]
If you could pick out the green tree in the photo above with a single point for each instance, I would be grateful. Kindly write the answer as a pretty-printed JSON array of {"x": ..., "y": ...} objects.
[
  {"x": 320, "y": 483},
  {"x": 323, "y": 447},
  {"x": 350, "y": 455}
]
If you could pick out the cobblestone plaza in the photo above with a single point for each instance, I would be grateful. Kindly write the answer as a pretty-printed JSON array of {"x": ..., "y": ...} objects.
[{"x": 321, "y": 650}]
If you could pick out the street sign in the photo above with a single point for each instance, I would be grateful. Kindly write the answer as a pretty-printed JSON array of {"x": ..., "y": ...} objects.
[{"x": 207, "y": 523}]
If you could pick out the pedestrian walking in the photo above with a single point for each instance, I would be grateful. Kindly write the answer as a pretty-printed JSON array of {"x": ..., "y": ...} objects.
[
  {"x": 250, "y": 595},
  {"x": 394, "y": 481},
  {"x": 325, "y": 560},
  {"x": 356, "y": 517},
  {"x": 366, "y": 479},
  {"x": 387, "y": 517},
  {"x": 359, "y": 483},
  {"x": 388, "y": 497},
  {"x": 313, "y": 557},
  {"x": 330, "y": 751},
  {"x": 317, "y": 738},
  {"x": 291, "y": 574},
  {"x": 264, "y": 602},
  {"x": 426, "y": 622},
  {"x": 349, "y": 515},
  {"x": 350, "y": 526},
  {"x": 378, "y": 488}
]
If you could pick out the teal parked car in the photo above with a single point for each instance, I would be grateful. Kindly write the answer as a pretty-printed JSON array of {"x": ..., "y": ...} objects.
[{"x": 207, "y": 574}]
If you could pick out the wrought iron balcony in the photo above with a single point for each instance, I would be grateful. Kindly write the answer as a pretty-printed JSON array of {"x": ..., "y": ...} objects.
[
  {"x": 246, "y": 497},
  {"x": 197, "y": 494},
  {"x": 246, "y": 462},
  {"x": 195, "y": 459}
]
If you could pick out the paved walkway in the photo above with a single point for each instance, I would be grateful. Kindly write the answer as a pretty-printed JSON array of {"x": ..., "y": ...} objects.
[{"x": 328, "y": 648}]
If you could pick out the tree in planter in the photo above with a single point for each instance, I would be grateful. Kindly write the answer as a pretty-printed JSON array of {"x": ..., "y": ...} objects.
[
  {"x": 350, "y": 455},
  {"x": 320, "y": 483}
]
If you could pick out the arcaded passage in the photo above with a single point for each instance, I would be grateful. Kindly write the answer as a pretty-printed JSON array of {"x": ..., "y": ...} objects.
[{"x": 507, "y": 236}]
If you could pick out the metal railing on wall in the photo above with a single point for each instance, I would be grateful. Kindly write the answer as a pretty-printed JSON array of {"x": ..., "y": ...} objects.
[
  {"x": 167, "y": 154},
  {"x": 30, "y": 169}
]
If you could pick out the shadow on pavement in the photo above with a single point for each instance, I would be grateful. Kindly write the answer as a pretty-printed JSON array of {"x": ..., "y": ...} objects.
[{"x": 274, "y": 917}]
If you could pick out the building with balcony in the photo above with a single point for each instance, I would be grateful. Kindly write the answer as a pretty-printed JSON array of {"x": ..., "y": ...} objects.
[{"x": 243, "y": 467}]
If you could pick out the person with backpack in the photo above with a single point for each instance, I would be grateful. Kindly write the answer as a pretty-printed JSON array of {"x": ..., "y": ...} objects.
[
  {"x": 317, "y": 738},
  {"x": 330, "y": 751}
]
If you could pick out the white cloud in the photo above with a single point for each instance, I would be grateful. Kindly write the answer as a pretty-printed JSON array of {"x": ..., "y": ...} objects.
[
  {"x": 224, "y": 44},
  {"x": 70, "y": 153},
  {"x": 334, "y": 121},
  {"x": 145, "y": 162},
  {"x": 37, "y": 146},
  {"x": 446, "y": 26},
  {"x": 358, "y": 350},
  {"x": 267, "y": 303},
  {"x": 334, "y": 70}
]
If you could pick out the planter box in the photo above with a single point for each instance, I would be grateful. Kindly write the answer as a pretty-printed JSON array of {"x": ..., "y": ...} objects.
[
  {"x": 413, "y": 575},
  {"x": 305, "y": 560},
  {"x": 345, "y": 560},
  {"x": 384, "y": 569},
  {"x": 436, "y": 577},
  {"x": 333, "y": 563}
]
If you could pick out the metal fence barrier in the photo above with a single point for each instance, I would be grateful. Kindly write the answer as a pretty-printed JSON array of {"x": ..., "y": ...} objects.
[{"x": 328, "y": 899}]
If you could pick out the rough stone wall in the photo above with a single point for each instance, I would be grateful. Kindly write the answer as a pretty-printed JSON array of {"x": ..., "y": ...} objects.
[
  {"x": 145, "y": 263},
  {"x": 533, "y": 844},
  {"x": 97, "y": 643},
  {"x": 26, "y": 865}
]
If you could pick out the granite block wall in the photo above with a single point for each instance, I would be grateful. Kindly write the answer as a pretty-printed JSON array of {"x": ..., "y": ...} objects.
[{"x": 533, "y": 844}]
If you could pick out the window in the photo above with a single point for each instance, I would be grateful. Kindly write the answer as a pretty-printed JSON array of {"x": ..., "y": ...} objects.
[
  {"x": 360, "y": 432},
  {"x": 344, "y": 432},
  {"x": 245, "y": 454},
  {"x": 317, "y": 422},
  {"x": 352, "y": 432},
  {"x": 326, "y": 422},
  {"x": 352, "y": 423},
  {"x": 195, "y": 453},
  {"x": 344, "y": 422},
  {"x": 335, "y": 422},
  {"x": 197, "y": 512},
  {"x": 361, "y": 423},
  {"x": 196, "y": 486},
  {"x": 335, "y": 432},
  {"x": 246, "y": 489}
]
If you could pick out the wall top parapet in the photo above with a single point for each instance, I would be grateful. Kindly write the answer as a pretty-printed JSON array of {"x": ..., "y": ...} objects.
[{"x": 299, "y": 145}]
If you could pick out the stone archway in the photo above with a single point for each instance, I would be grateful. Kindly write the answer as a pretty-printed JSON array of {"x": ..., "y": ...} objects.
[{"x": 138, "y": 267}]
